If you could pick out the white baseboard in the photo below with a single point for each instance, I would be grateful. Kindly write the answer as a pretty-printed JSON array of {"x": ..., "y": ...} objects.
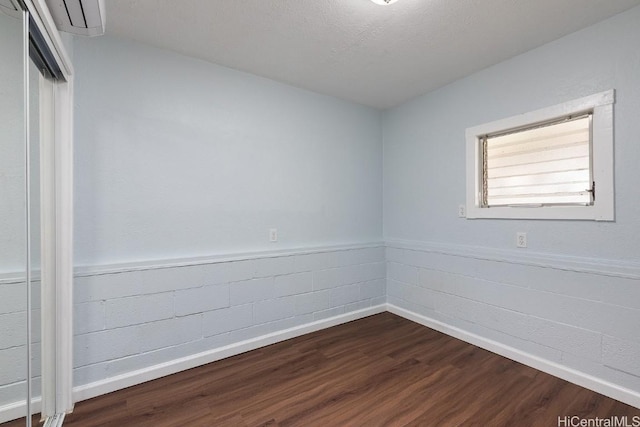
[
  {"x": 582, "y": 379},
  {"x": 88, "y": 391},
  {"x": 157, "y": 371},
  {"x": 17, "y": 410}
]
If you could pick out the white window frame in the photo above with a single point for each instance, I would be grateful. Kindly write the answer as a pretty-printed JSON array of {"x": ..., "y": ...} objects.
[{"x": 602, "y": 209}]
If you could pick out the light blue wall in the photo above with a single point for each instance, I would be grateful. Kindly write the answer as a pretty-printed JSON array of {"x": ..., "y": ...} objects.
[
  {"x": 424, "y": 144},
  {"x": 572, "y": 298},
  {"x": 176, "y": 157}
]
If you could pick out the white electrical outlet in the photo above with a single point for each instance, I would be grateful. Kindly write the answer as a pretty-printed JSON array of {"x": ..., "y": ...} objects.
[
  {"x": 521, "y": 239},
  {"x": 273, "y": 235},
  {"x": 462, "y": 211}
]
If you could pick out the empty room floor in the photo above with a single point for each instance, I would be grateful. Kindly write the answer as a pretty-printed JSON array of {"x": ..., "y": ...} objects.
[{"x": 382, "y": 370}]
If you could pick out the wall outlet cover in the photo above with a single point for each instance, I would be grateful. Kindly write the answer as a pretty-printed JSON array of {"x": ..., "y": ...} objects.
[{"x": 521, "y": 239}]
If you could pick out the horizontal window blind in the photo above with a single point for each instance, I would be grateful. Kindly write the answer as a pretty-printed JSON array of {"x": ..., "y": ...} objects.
[{"x": 549, "y": 164}]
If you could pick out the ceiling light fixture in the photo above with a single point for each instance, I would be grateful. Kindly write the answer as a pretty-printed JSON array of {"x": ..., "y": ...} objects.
[{"x": 384, "y": 2}]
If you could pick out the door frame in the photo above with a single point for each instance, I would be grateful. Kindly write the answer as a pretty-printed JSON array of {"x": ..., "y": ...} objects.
[{"x": 56, "y": 205}]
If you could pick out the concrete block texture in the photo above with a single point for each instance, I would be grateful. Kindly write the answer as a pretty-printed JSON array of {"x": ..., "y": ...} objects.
[
  {"x": 128, "y": 320},
  {"x": 581, "y": 319}
]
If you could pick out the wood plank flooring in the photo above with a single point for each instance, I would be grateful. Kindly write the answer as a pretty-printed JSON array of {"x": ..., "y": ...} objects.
[{"x": 379, "y": 371}]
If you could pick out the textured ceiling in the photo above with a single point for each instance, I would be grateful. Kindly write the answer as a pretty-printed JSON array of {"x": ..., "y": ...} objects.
[{"x": 354, "y": 49}]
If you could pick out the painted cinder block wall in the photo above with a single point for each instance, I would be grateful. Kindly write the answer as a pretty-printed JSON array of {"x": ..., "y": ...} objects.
[
  {"x": 131, "y": 320},
  {"x": 183, "y": 166},
  {"x": 572, "y": 298}
]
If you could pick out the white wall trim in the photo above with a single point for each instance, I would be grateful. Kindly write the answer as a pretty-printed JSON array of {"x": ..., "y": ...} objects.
[
  {"x": 15, "y": 277},
  {"x": 64, "y": 159},
  {"x": 15, "y": 410},
  {"x": 582, "y": 379},
  {"x": 83, "y": 271},
  {"x": 599, "y": 266},
  {"x": 163, "y": 369},
  {"x": 601, "y": 105},
  {"x": 96, "y": 270},
  {"x": 48, "y": 198}
]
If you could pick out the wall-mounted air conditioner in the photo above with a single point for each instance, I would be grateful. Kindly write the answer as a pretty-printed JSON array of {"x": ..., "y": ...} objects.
[{"x": 81, "y": 17}]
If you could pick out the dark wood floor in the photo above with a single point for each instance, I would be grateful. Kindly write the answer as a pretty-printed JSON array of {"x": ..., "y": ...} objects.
[{"x": 378, "y": 371}]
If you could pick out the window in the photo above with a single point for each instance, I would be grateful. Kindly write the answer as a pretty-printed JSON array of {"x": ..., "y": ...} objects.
[{"x": 545, "y": 164}]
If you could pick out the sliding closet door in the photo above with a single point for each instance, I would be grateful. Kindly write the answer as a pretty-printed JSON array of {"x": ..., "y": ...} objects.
[
  {"x": 13, "y": 214},
  {"x": 35, "y": 233},
  {"x": 35, "y": 216}
]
